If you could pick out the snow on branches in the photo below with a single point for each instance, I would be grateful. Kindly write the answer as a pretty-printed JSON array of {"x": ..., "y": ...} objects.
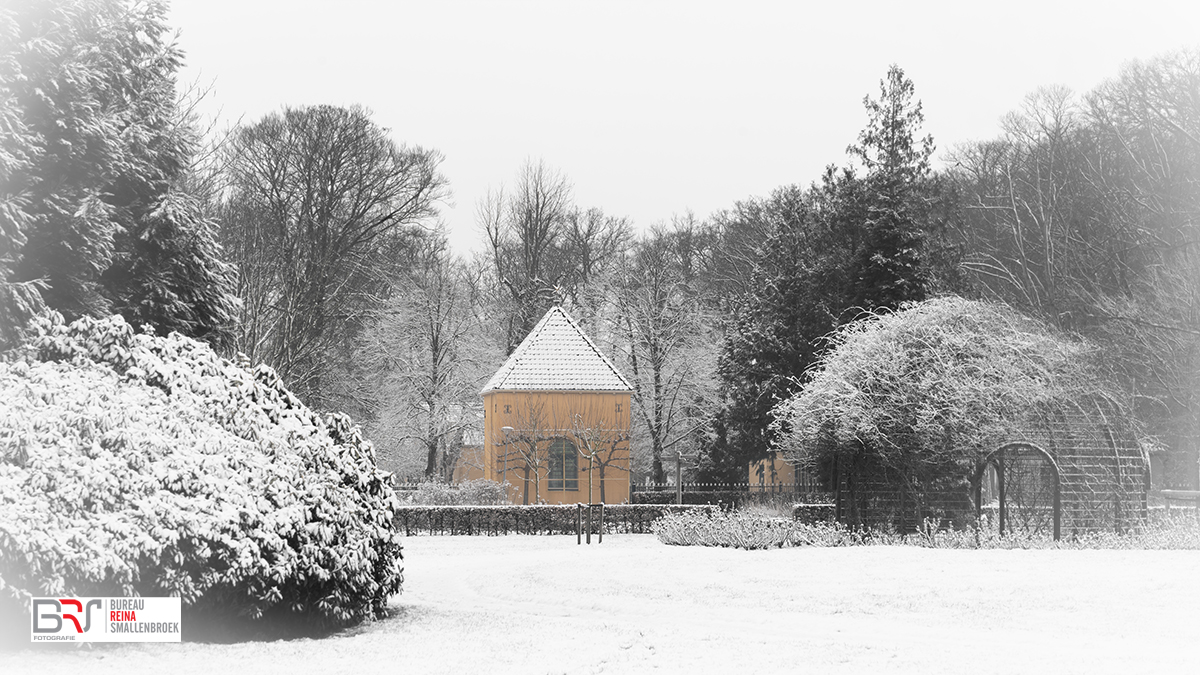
[
  {"x": 136, "y": 464},
  {"x": 931, "y": 385}
]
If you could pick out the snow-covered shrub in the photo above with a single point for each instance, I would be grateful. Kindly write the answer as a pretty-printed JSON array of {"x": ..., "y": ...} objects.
[
  {"x": 813, "y": 513},
  {"x": 1180, "y": 532},
  {"x": 477, "y": 492},
  {"x": 135, "y": 464},
  {"x": 750, "y": 530},
  {"x": 433, "y": 493},
  {"x": 743, "y": 530},
  {"x": 738, "y": 529},
  {"x": 482, "y": 492}
]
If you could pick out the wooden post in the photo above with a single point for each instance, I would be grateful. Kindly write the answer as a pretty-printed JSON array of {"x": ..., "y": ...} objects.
[
  {"x": 678, "y": 476},
  {"x": 579, "y": 523},
  {"x": 1057, "y": 506},
  {"x": 591, "y": 470},
  {"x": 980, "y": 473},
  {"x": 1000, "y": 488},
  {"x": 601, "y": 539},
  {"x": 837, "y": 489},
  {"x": 589, "y": 525},
  {"x": 1147, "y": 483}
]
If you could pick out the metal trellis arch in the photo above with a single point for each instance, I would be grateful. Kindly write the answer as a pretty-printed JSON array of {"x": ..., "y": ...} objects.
[{"x": 1016, "y": 460}]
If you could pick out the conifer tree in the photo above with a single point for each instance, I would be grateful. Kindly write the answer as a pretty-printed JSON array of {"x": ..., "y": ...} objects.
[
  {"x": 890, "y": 265},
  {"x": 93, "y": 218},
  {"x": 853, "y": 242}
]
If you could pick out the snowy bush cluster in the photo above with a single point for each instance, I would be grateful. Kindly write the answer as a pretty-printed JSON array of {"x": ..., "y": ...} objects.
[
  {"x": 1178, "y": 532},
  {"x": 477, "y": 492},
  {"x": 532, "y": 519},
  {"x": 738, "y": 529},
  {"x": 741, "y": 529},
  {"x": 136, "y": 464}
]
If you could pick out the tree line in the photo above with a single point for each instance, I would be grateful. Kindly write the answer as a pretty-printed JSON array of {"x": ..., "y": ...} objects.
[{"x": 309, "y": 240}]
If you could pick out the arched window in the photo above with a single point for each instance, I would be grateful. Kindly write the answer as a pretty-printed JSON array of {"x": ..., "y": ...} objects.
[{"x": 564, "y": 465}]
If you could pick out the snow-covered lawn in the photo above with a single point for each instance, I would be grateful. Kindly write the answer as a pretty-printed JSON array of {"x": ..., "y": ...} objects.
[{"x": 521, "y": 604}]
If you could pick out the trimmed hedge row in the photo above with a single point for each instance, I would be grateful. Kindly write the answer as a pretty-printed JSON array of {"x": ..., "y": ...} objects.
[
  {"x": 729, "y": 498},
  {"x": 533, "y": 519},
  {"x": 722, "y": 497}
]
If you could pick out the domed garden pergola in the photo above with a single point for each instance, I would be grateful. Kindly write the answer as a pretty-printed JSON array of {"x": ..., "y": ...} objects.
[
  {"x": 1079, "y": 469},
  {"x": 1076, "y": 467},
  {"x": 967, "y": 413}
]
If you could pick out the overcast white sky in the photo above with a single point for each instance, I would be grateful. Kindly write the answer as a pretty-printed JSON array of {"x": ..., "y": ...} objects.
[{"x": 654, "y": 108}]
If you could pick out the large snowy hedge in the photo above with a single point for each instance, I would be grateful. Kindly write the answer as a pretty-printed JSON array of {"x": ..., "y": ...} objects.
[{"x": 135, "y": 464}]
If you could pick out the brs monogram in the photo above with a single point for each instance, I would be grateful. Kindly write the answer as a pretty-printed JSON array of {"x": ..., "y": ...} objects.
[{"x": 52, "y": 621}]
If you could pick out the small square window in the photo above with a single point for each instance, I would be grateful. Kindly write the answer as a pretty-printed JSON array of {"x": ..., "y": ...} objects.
[{"x": 507, "y": 409}]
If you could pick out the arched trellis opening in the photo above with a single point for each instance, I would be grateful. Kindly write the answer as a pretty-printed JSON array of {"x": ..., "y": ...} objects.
[{"x": 1027, "y": 484}]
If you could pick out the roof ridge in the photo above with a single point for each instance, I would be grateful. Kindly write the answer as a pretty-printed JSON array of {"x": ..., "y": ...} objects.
[{"x": 538, "y": 363}]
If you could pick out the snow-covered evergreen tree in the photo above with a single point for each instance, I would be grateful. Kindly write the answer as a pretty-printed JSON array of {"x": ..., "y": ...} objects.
[{"x": 93, "y": 220}]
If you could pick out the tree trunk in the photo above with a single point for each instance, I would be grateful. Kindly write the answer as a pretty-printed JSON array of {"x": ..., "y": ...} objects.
[
  {"x": 657, "y": 474},
  {"x": 431, "y": 456}
]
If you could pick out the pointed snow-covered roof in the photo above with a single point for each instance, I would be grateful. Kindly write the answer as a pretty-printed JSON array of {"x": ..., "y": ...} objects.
[{"x": 556, "y": 355}]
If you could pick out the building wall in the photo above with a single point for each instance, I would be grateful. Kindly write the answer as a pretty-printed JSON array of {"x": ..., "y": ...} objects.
[
  {"x": 770, "y": 471},
  {"x": 536, "y": 419},
  {"x": 469, "y": 465}
]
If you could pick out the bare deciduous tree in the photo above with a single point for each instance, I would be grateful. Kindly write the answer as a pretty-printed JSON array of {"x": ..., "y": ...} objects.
[
  {"x": 593, "y": 244},
  {"x": 319, "y": 203},
  {"x": 669, "y": 356},
  {"x": 524, "y": 231},
  {"x": 543, "y": 250},
  {"x": 1085, "y": 211},
  {"x": 426, "y": 361},
  {"x": 523, "y": 445},
  {"x": 604, "y": 446}
]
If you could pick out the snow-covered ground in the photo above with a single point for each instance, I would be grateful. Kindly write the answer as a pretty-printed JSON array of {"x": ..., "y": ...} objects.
[{"x": 522, "y": 604}]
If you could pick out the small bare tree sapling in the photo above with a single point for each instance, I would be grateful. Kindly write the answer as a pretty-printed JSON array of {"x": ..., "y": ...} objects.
[{"x": 605, "y": 446}]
